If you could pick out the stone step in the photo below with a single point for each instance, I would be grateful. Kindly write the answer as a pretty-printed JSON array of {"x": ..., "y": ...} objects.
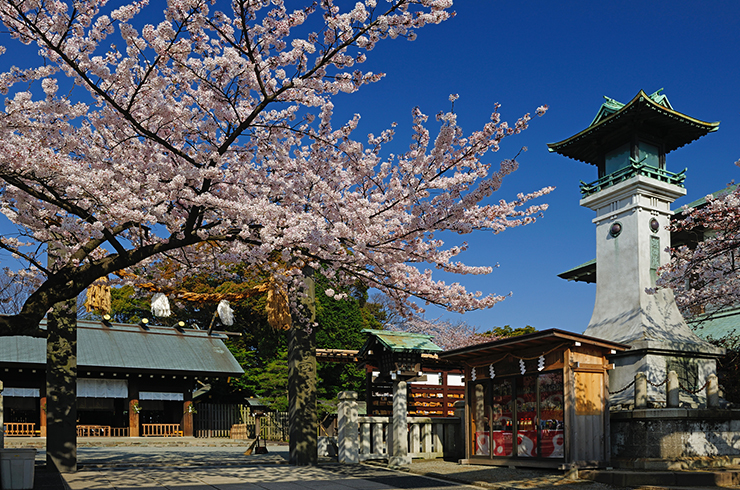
[{"x": 663, "y": 479}]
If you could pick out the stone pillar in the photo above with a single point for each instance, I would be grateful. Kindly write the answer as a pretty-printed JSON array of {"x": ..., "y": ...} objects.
[
  {"x": 640, "y": 390},
  {"x": 398, "y": 443},
  {"x": 672, "y": 388},
  {"x": 712, "y": 391},
  {"x": 348, "y": 428},
  {"x": 42, "y": 416}
]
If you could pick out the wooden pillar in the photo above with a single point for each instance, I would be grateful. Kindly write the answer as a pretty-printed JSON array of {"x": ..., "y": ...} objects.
[
  {"x": 187, "y": 416},
  {"x": 133, "y": 403},
  {"x": 42, "y": 416}
]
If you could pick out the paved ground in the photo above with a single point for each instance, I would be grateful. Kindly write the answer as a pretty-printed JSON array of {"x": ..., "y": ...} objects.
[{"x": 156, "y": 467}]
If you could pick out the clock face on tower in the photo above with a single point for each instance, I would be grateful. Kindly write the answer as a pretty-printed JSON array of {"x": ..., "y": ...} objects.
[
  {"x": 654, "y": 225},
  {"x": 615, "y": 229}
]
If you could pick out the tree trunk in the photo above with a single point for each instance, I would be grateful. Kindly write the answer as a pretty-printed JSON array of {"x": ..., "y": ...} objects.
[
  {"x": 304, "y": 422},
  {"x": 61, "y": 381}
]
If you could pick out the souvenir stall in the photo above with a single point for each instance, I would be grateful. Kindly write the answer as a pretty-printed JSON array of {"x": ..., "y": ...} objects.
[{"x": 539, "y": 399}]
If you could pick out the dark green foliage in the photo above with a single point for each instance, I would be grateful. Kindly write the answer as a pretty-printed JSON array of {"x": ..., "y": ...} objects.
[
  {"x": 262, "y": 350},
  {"x": 506, "y": 331},
  {"x": 728, "y": 367}
]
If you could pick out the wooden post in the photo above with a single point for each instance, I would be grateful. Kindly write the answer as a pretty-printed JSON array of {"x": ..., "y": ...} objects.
[
  {"x": 133, "y": 402},
  {"x": 187, "y": 418},
  {"x": 2, "y": 419},
  {"x": 42, "y": 416}
]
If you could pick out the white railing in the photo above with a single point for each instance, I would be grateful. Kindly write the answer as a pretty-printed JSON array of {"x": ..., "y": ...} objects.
[{"x": 428, "y": 437}]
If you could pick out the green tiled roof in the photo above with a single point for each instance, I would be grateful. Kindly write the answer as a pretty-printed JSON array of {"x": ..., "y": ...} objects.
[
  {"x": 703, "y": 200},
  {"x": 717, "y": 325},
  {"x": 403, "y": 341}
]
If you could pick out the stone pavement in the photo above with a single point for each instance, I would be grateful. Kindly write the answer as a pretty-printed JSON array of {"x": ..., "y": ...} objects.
[{"x": 157, "y": 465}]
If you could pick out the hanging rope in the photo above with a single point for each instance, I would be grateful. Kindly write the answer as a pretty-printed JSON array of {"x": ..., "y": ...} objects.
[
  {"x": 277, "y": 306},
  {"x": 98, "y": 296}
]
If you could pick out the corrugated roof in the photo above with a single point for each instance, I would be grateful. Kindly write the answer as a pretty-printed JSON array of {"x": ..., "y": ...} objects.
[
  {"x": 403, "y": 341},
  {"x": 129, "y": 347}
]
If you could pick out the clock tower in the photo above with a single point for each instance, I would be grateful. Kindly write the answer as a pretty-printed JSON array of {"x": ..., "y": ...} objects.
[{"x": 632, "y": 198}]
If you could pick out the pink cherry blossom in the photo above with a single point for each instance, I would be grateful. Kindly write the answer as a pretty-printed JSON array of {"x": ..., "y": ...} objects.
[{"x": 205, "y": 138}]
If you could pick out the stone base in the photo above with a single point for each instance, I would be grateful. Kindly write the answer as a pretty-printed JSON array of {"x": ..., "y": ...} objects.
[
  {"x": 692, "y": 362},
  {"x": 674, "y": 433},
  {"x": 398, "y": 461}
]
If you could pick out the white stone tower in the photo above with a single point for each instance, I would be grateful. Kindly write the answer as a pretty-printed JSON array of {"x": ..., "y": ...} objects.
[{"x": 632, "y": 200}]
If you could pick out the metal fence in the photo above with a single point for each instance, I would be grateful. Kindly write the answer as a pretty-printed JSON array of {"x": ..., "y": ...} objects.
[{"x": 217, "y": 420}]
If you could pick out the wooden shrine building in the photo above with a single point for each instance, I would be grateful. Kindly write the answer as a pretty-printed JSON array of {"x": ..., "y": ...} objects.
[
  {"x": 132, "y": 380},
  {"x": 540, "y": 399}
]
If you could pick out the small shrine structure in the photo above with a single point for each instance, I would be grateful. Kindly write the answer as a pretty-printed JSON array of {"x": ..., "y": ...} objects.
[
  {"x": 628, "y": 144},
  {"x": 540, "y": 399},
  {"x": 397, "y": 355}
]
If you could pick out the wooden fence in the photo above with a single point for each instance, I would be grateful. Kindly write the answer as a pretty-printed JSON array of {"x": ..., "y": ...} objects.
[{"x": 217, "y": 420}]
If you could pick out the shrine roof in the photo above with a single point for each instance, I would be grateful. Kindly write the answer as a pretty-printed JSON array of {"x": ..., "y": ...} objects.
[
  {"x": 544, "y": 339},
  {"x": 123, "y": 347},
  {"x": 401, "y": 341},
  {"x": 614, "y": 121}
]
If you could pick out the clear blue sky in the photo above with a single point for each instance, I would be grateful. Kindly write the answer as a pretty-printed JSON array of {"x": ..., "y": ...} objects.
[{"x": 568, "y": 55}]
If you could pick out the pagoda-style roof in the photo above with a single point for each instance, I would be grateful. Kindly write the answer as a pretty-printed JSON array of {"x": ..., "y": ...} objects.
[{"x": 615, "y": 122}]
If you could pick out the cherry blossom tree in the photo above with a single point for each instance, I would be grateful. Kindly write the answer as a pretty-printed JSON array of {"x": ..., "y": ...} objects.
[
  {"x": 705, "y": 273},
  {"x": 206, "y": 138}
]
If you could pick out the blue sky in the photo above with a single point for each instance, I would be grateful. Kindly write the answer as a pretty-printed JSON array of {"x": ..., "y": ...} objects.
[{"x": 567, "y": 55}]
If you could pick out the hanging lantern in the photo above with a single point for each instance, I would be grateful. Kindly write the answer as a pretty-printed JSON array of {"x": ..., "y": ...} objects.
[
  {"x": 225, "y": 313},
  {"x": 160, "y": 305}
]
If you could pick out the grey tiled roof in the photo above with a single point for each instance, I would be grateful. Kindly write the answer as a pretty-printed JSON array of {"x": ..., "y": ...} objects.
[{"x": 131, "y": 348}]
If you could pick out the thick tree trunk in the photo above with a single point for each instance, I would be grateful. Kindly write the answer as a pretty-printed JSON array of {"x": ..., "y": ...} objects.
[
  {"x": 61, "y": 380},
  {"x": 304, "y": 422}
]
